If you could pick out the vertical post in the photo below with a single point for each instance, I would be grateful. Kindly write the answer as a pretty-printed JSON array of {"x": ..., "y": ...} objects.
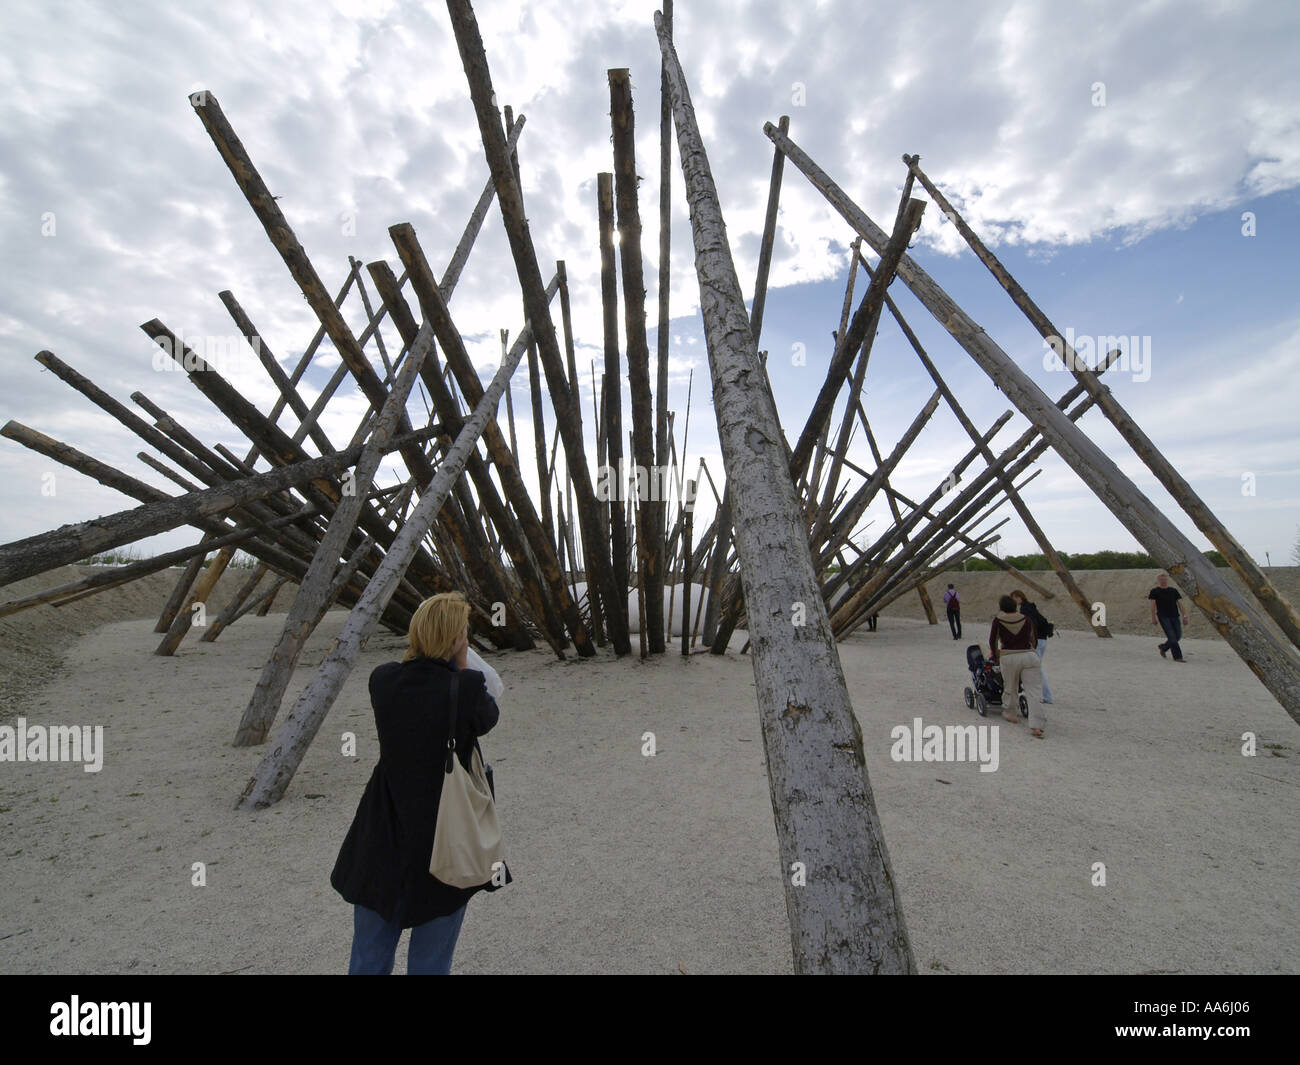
[{"x": 650, "y": 506}]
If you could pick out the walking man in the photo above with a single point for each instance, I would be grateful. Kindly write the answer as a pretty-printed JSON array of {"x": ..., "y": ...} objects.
[
  {"x": 952, "y": 602},
  {"x": 1165, "y": 611}
]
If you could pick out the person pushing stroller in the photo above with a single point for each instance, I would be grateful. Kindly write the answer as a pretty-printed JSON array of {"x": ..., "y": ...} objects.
[{"x": 1012, "y": 644}]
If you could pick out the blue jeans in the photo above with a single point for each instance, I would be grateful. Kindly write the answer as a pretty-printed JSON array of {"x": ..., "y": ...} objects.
[
  {"x": 1047, "y": 692},
  {"x": 374, "y": 944},
  {"x": 1174, "y": 631}
]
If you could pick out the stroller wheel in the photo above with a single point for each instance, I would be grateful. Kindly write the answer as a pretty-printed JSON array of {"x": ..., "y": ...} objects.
[
  {"x": 981, "y": 704},
  {"x": 969, "y": 696},
  {"x": 1024, "y": 707}
]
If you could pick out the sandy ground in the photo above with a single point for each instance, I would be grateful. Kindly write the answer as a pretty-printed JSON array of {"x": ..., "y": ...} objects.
[
  {"x": 35, "y": 642},
  {"x": 626, "y": 863}
]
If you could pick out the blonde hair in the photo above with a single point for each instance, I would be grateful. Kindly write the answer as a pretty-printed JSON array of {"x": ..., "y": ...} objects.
[{"x": 436, "y": 626}]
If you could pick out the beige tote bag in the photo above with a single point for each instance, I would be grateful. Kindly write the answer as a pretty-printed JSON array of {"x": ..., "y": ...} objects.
[{"x": 467, "y": 845}]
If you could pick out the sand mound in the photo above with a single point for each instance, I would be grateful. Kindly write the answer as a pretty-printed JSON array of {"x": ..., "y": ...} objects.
[{"x": 34, "y": 643}]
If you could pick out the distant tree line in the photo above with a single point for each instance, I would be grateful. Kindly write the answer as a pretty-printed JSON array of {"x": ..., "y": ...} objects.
[{"x": 1093, "y": 560}]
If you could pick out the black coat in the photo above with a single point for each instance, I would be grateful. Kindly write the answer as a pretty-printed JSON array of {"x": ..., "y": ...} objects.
[
  {"x": 384, "y": 861},
  {"x": 1040, "y": 623}
]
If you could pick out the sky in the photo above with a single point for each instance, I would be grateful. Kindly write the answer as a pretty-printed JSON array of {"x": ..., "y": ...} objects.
[{"x": 1134, "y": 165}]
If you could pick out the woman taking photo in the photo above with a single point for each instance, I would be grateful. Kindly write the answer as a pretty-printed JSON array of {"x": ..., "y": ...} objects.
[{"x": 383, "y": 865}]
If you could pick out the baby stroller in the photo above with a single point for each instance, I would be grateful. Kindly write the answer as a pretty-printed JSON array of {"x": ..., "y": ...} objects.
[{"x": 986, "y": 684}]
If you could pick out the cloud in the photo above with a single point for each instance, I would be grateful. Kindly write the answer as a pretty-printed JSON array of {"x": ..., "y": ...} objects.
[{"x": 360, "y": 111}]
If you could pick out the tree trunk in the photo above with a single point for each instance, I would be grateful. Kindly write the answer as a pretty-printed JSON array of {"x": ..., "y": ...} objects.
[
  {"x": 847, "y": 917},
  {"x": 650, "y": 508},
  {"x": 612, "y": 391}
]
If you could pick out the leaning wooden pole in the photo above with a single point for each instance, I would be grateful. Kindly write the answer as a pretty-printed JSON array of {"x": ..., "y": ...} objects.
[
  {"x": 180, "y": 626},
  {"x": 718, "y": 629},
  {"x": 1272, "y": 661},
  {"x": 237, "y": 600},
  {"x": 1274, "y": 603},
  {"x": 300, "y": 267},
  {"x": 847, "y": 916},
  {"x": 65, "y": 545},
  {"x": 177, "y": 599},
  {"x": 988, "y": 556},
  {"x": 548, "y": 575},
  {"x": 300, "y": 726},
  {"x": 269, "y": 691},
  {"x": 473, "y": 57},
  {"x": 665, "y": 256},
  {"x": 1054, "y": 558}
]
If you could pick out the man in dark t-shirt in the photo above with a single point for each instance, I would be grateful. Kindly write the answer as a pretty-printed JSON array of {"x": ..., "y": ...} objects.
[{"x": 1166, "y": 608}]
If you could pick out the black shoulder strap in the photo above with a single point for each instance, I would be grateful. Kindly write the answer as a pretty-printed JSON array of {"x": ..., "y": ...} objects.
[{"x": 453, "y": 697}]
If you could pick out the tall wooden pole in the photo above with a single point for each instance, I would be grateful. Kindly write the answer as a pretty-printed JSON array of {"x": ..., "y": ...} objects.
[
  {"x": 436, "y": 312},
  {"x": 312, "y": 595},
  {"x": 510, "y": 201},
  {"x": 612, "y": 392},
  {"x": 665, "y": 254},
  {"x": 846, "y": 917},
  {"x": 650, "y": 506}
]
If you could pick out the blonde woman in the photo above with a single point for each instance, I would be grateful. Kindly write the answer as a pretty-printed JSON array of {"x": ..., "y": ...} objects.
[{"x": 383, "y": 865}]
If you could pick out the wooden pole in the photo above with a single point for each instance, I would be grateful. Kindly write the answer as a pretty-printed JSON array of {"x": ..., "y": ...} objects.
[
  {"x": 988, "y": 556},
  {"x": 665, "y": 255},
  {"x": 613, "y": 393},
  {"x": 260, "y": 712},
  {"x": 1035, "y": 530},
  {"x": 1273, "y": 602},
  {"x": 860, "y": 328},
  {"x": 177, "y": 599},
  {"x": 510, "y": 201},
  {"x": 512, "y": 535},
  {"x": 300, "y": 267},
  {"x": 103, "y": 581},
  {"x": 300, "y": 726},
  {"x": 65, "y": 545},
  {"x": 847, "y": 916},
  {"x": 650, "y": 508},
  {"x": 237, "y": 600},
  {"x": 179, "y": 627},
  {"x": 688, "y": 519},
  {"x": 1274, "y": 663},
  {"x": 551, "y": 579},
  {"x": 717, "y": 627}
]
